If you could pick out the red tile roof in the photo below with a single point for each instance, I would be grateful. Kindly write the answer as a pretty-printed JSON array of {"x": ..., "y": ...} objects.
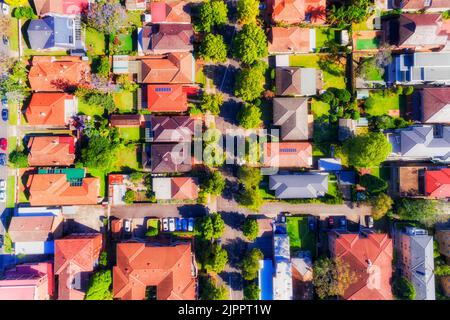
[
  {"x": 51, "y": 151},
  {"x": 166, "y": 98},
  {"x": 126, "y": 120},
  {"x": 288, "y": 154},
  {"x": 54, "y": 74},
  {"x": 370, "y": 257},
  {"x": 48, "y": 109},
  {"x": 295, "y": 11},
  {"x": 44, "y": 7},
  {"x": 177, "y": 67},
  {"x": 420, "y": 4},
  {"x": 140, "y": 265},
  {"x": 287, "y": 40},
  {"x": 437, "y": 183},
  {"x": 75, "y": 257},
  {"x": 184, "y": 188},
  {"x": 169, "y": 11}
]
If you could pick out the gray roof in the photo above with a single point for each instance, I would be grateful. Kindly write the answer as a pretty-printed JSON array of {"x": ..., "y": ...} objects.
[
  {"x": 296, "y": 81},
  {"x": 292, "y": 115},
  {"x": 307, "y": 185},
  {"x": 422, "y": 66},
  {"x": 51, "y": 32}
]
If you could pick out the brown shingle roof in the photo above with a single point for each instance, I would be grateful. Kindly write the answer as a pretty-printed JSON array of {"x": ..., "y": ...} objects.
[
  {"x": 165, "y": 38},
  {"x": 435, "y": 103},
  {"x": 170, "y": 158},
  {"x": 292, "y": 115},
  {"x": 172, "y": 129},
  {"x": 126, "y": 120}
]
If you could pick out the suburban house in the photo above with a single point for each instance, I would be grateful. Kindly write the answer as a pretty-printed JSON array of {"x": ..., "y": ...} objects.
[
  {"x": 170, "y": 11},
  {"x": 416, "y": 261},
  {"x": 51, "y": 109},
  {"x": 175, "y": 188},
  {"x": 66, "y": 187},
  {"x": 126, "y": 120},
  {"x": 302, "y": 276},
  {"x": 421, "y": 143},
  {"x": 419, "y": 5},
  {"x": 437, "y": 183},
  {"x": 291, "y": 40},
  {"x": 28, "y": 281},
  {"x": 434, "y": 105},
  {"x": 155, "y": 271},
  {"x": 416, "y": 32},
  {"x": 171, "y": 128},
  {"x": 76, "y": 256},
  {"x": 294, "y": 81},
  {"x": 407, "y": 181},
  {"x": 33, "y": 230},
  {"x": 287, "y": 155},
  {"x": 165, "y": 38},
  {"x": 57, "y": 74},
  {"x": 302, "y": 185},
  {"x": 420, "y": 68},
  {"x": 133, "y": 5},
  {"x": 282, "y": 276},
  {"x": 177, "y": 67},
  {"x": 369, "y": 256},
  {"x": 291, "y": 115},
  {"x": 55, "y": 33},
  {"x": 170, "y": 157},
  {"x": 298, "y": 11},
  {"x": 60, "y": 7},
  {"x": 443, "y": 239},
  {"x": 51, "y": 151},
  {"x": 166, "y": 98}
]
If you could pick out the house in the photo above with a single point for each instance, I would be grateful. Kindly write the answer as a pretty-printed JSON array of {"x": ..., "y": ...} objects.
[
  {"x": 437, "y": 183},
  {"x": 406, "y": 181},
  {"x": 51, "y": 109},
  {"x": 177, "y": 67},
  {"x": 76, "y": 256},
  {"x": 60, "y": 7},
  {"x": 416, "y": 32},
  {"x": 291, "y": 114},
  {"x": 369, "y": 256},
  {"x": 420, "y": 68},
  {"x": 66, "y": 187},
  {"x": 298, "y": 11},
  {"x": 291, "y": 40},
  {"x": 135, "y": 5},
  {"x": 54, "y": 33},
  {"x": 166, "y": 98},
  {"x": 415, "y": 248},
  {"x": 126, "y": 120},
  {"x": 170, "y": 270},
  {"x": 34, "y": 231},
  {"x": 421, "y": 143},
  {"x": 172, "y": 129},
  {"x": 170, "y": 11},
  {"x": 347, "y": 129},
  {"x": 170, "y": 157},
  {"x": 419, "y": 5},
  {"x": 443, "y": 239},
  {"x": 282, "y": 277},
  {"x": 175, "y": 188},
  {"x": 304, "y": 185},
  {"x": 302, "y": 276},
  {"x": 28, "y": 281},
  {"x": 288, "y": 154},
  {"x": 165, "y": 38},
  {"x": 434, "y": 105},
  {"x": 294, "y": 81},
  {"x": 52, "y": 74},
  {"x": 51, "y": 151}
]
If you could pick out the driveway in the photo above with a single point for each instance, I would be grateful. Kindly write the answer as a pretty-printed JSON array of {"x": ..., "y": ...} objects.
[{"x": 158, "y": 210}]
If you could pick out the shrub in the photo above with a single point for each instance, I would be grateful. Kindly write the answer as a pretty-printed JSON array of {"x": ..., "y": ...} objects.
[
  {"x": 373, "y": 184},
  {"x": 251, "y": 291},
  {"x": 18, "y": 159},
  {"x": 403, "y": 289},
  {"x": 129, "y": 197},
  {"x": 408, "y": 90},
  {"x": 250, "y": 229}
]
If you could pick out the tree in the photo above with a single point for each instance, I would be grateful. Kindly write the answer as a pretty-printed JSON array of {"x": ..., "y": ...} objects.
[
  {"x": 18, "y": 159},
  {"x": 210, "y": 290},
  {"x": 211, "y": 103},
  {"x": 403, "y": 289},
  {"x": 214, "y": 184},
  {"x": 106, "y": 16},
  {"x": 249, "y": 175},
  {"x": 250, "y": 196},
  {"x": 249, "y": 116},
  {"x": 99, "y": 153},
  {"x": 250, "y": 264},
  {"x": 423, "y": 210},
  {"x": 216, "y": 259},
  {"x": 100, "y": 286},
  {"x": 206, "y": 228},
  {"x": 408, "y": 90},
  {"x": 126, "y": 84},
  {"x": 354, "y": 12},
  {"x": 23, "y": 13},
  {"x": 103, "y": 67},
  {"x": 372, "y": 184},
  {"x": 103, "y": 259},
  {"x": 250, "y": 82},
  {"x": 15, "y": 85},
  {"x": 331, "y": 277},
  {"x": 136, "y": 176},
  {"x": 381, "y": 204},
  {"x": 251, "y": 291},
  {"x": 367, "y": 151},
  {"x": 247, "y": 11},
  {"x": 218, "y": 225},
  {"x": 213, "y": 13},
  {"x": 129, "y": 197},
  {"x": 151, "y": 232},
  {"x": 250, "y": 44},
  {"x": 250, "y": 229},
  {"x": 213, "y": 48}
]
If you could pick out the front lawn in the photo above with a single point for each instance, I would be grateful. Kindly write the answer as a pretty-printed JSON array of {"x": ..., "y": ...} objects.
[
  {"x": 12, "y": 143},
  {"x": 13, "y": 114},
  {"x": 125, "y": 101},
  {"x": 95, "y": 42},
  {"x": 130, "y": 134},
  {"x": 300, "y": 237},
  {"x": 319, "y": 108},
  {"x": 14, "y": 35},
  {"x": 323, "y": 35},
  {"x": 10, "y": 192}
]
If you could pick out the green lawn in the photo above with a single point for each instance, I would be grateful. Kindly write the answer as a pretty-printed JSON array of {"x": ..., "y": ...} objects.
[
  {"x": 13, "y": 114},
  {"x": 384, "y": 103},
  {"x": 127, "y": 158},
  {"x": 300, "y": 237},
  {"x": 95, "y": 42},
  {"x": 102, "y": 176},
  {"x": 130, "y": 134},
  {"x": 14, "y": 35},
  {"x": 321, "y": 150},
  {"x": 10, "y": 188},
  {"x": 319, "y": 108},
  {"x": 126, "y": 43},
  {"x": 323, "y": 35},
  {"x": 265, "y": 194},
  {"x": 334, "y": 74},
  {"x": 12, "y": 143},
  {"x": 125, "y": 101},
  {"x": 89, "y": 110},
  {"x": 200, "y": 77},
  {"x": 367, "y": 44},
  {"x": 29, "y": 52},
  {"x": 332, "y": 188}
]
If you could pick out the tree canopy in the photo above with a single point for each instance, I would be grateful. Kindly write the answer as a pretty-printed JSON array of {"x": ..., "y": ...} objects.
[
  {"x": 367, "y": 151},
  {"x": 100, "y": 286},
  {"x": 251, "y": 291},
  {"x": 423, "y": 210},
  {"x": 213, "y": 48},
  {"x": 106, "y": 16},
  {"x": 216, "y": 259},
  {"x": 373, "y": 184},
  {"x": 18, "y": 159},
  {"x": 331, "y": 277},
  {"x": 250, "y": 195},
  {"x": 15, "y": 85},
  {"x": 247, "y": 11},
  {"x": 250, "y": 82},
  {"x": 403, "y": 289},
  {"x": 250, "y": 44},
  {"x": 355, "y": 11},
  {"x": 213, "y": 13},
  {"x": 211, "y": 291},
  {"x": 214, "y": 184},
  {"x": 212, "y": 226},
  {"x": 249, "y": 116},
  {"x": 250, "y": 229},
  {"x": 250, "y": 264},
  {"x": 211, "y": 103},
  {"x": 381, "y": 204}
]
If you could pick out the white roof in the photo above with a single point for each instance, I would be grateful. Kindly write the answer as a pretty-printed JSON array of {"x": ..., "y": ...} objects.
[
  {"x": 36, "y": 247},
  {"x": 282, "y": 280},
  {"x": 162, "y": 188}
]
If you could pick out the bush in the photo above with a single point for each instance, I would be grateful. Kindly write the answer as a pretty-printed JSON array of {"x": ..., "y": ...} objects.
[
  {"x": 136, "y": 176},
  {"x": 100, "y": 286},
  {"x": 211, "y": 103},
  {"x": 250, "y": 229},
  {"x": 129, "y": 197},
  {"x": 151, "y": 232},
  {"x": 408, "y": 90},
  {"x": 251, "y": 291},
  {"x": 250, "y": 264},
  {"x": 18, "y": 159},
  {"x": 126, "y": 84},
  {"x": 373, "y": 184},
  {"x": 370, "y": 103},
  {"x": 23, "y": 13},
  {"x": 381, "y": 204},
  {"x": 423, "y": 210},
  {"x": 104, "y": 67},
  {"x": 399, "y": 90},
  {"x": 211, "y": 291},
  {"x": 403, "y": 289}
]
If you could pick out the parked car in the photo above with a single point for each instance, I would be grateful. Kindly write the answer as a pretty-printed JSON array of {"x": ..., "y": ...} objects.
[
  {"x": 330, "y": 222},
  {"x": 177, "y": 224},
  {"x": 3, "y": 144},
  {"x": 369, "y": 221},
  {"x": 165, "y": 224},
  {"x": 171, "y": 224},
  {"x": 5, "y": 114},
  {"x": 343, "y": 223},
  {"x": 191, "y": 224},
  {"x": 184, "y": 224},
  {"x": 2, "y": 196},
  {"x": 3, "y": 160},
  {"x": 127, "y": 225},
  {"x": 5, "y": 40},
  {"x": 312, "y": 224},
  {"x": 1, "y": 240},
  {"x": 2, "y": 184},
  {"x": 5, "y": 102}
]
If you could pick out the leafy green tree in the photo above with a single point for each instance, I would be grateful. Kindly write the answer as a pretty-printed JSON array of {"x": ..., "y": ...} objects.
[
  {"x": 381, "y": 204},
  {"x": 408, "y": 90},
  {"x": 100, "y": 286},
  {"x": 99, "y": 153},
  {"x": 214, "y": 184},
  {"x": 211, "y": 291},
  {"x": 126, "y": 84},
  {"x": 249, "y": 116},
  {"x": 249, "y": 176},
  {"x": 18, "y": 159},
  {"x": 403, "y": 289},
  {"x": 331, "y": 277},
  {"x": 129, "y": 197},
  {"x": 213, "y": 48},
  {"x": 250, "y": 196},
  {"x": 423, "y": 210},
  {"x": 151, "y": 232},
  {"x": 250, "y": 44},
  {"x": 373, "y": 184},
  {"x": 218, "y": 225},
  {"x": 251, "y": 291},
  {"x": 250, "y": 229},
  {"x": 213, "y": 13},
  {"x": 250, "y": 82},
  {"x": 211, "y": 103},
  {"x": 23, "y": 13},
  {"x": 136, "y": 176},
  {"x": 216, "y": 259},
  {"x": 15, "y": 85},
  {"x": 441, "y": 268},
  {"x": 354, "y": 12},
  {"x": 103, "y": 259},
  {"x": 367, "y": 151},
  {"x": 247, "y": 11},
  {"x": 250, "y": 264},
  {"x": 207, "y": 228},
  {"x": 104, "y": 66}
]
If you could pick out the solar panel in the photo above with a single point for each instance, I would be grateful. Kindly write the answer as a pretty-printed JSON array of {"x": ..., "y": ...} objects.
[
  {"x": 288, "y": 150},
  {"x": 163, "y": 89}
]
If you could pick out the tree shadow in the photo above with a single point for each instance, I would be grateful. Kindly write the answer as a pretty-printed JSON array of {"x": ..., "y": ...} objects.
[
  {"x": 234, "y": 220},
  {"x": 232, "y": 279},
  {"x": 235, "y": 248}
]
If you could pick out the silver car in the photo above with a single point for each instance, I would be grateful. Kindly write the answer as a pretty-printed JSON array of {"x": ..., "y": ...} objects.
[
  {"x": 165, "y": 224},
  {"x": 2, "y": 184},
  {"x": 171, "y": 224},
  {"x": 2, "y": 196}
]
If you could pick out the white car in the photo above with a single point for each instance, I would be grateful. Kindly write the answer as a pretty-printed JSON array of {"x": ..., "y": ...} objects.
[
  {"x": 165, "y": 224},
  {"x": 2, "y": 184},
  {"x": 2, "y": 196},
  {"x": 5, "y": 9},
  {"x": 171, "y": 224},
  {"x": 127, "y": 225}
]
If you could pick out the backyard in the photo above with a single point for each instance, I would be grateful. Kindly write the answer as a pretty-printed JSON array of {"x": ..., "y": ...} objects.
[
  {"x": 323, "y": 35},
  {"x": 299, "y": 235},
  {"x": 95, "y": 42},
  {"x": 125, "y": 101},
  {"x": 385, "y": 103},
  {"x": 319, "y": 108},
  {"x": 131, "y": 134}
]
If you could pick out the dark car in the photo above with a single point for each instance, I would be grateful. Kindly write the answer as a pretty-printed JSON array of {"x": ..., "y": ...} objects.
[
  {"x": 330, "y": 222},
  {"x": 5, "y": 40},
  {"x": 5, "y": 114},
  {"x": 177, "y": 224},
  {"x": 3, "y": 159},
  {"x": 312, "y": 224},
  {"x": 184, "y": 224},
  {"x": 343, "y": 222},
  {"x": 3, "y": 144}
]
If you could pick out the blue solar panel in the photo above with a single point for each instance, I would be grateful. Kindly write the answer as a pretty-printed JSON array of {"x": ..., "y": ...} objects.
[
  {"x": 163, "y": 89},
  {"x": 288, "y": 150}
]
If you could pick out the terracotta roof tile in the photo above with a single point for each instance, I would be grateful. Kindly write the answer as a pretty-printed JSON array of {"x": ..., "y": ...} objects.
[
  {"x": 177, "y": 67},
  {"x": 288, "y": 154},
  {"x": 295, "y": 11},
  {"x": 166, "y": 98},
  {"x": 184, "y": 188},
  {"x": 437, "y": 183},
  {"x": 289, "y": 40},
  {"x": 48, "y": 109},
  {"x": 170, "y": 11},
  {"x": 51, "y": 151}
]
